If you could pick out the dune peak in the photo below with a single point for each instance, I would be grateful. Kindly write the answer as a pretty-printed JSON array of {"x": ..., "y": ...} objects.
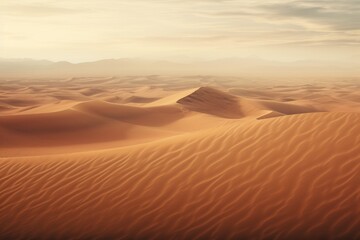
[{"x": 212, "y": 101}]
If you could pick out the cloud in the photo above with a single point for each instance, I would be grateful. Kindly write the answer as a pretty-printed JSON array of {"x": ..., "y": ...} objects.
[
  {"x": 342, "y": 15},
  {"x": 334, "y": 42},
  {"x": 202, "y": 27},
  {"x": 37, "y": 10}
]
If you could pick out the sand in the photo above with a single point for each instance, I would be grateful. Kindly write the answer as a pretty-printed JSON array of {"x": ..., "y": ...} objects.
[{"x": 182, "y": 158}]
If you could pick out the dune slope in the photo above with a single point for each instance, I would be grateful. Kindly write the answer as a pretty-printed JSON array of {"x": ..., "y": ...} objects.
[
  {"x": 290, "y": 177},
  {"x": 212, "y": 101}
]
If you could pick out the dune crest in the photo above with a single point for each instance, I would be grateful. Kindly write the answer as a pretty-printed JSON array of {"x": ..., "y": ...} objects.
[{"x": 212, "y": 101}]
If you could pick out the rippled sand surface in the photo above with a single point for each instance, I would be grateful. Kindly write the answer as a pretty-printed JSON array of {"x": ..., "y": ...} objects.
[{"x": 184, "y": 158}]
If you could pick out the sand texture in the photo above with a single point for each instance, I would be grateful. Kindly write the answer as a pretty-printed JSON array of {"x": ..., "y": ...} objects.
[{"x": 195, "y": 157}]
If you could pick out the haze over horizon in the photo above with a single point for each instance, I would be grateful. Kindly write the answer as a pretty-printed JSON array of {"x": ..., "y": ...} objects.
[{"x": 181, "y": 30}]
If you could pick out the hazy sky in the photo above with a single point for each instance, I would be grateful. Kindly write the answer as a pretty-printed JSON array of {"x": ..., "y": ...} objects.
[{"x": 85, "y": 30}]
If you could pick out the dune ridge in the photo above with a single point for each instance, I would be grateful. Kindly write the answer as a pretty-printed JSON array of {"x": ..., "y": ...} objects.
[
  {"x": 97, "y": 121},
  {"x": 212, "y": 101}
]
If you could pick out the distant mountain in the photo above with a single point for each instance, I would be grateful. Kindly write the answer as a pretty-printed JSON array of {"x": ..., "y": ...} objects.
[{"x": 225, "y": 67}]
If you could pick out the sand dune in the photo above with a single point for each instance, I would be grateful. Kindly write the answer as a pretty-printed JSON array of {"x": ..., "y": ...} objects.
[
  {"x": 211, "y": 184},
  {"x": 178, "y": 160},
  {"x": 212, "y": 101},
  {"x": 96, "y": 122}
]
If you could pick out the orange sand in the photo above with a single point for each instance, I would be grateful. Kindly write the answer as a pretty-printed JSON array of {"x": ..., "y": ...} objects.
[{"x": 184, "y": 158}]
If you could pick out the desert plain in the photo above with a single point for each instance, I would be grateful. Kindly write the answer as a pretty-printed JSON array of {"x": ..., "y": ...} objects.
[{"x": 179, "y": 157}]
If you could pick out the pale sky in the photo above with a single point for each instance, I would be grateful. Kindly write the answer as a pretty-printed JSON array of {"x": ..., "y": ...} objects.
[{"x": 87, "y": 30}]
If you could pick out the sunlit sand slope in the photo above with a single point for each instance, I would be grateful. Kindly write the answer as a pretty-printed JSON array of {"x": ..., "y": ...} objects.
[
  {"x": 290, "y": 177},
  {"x": 106, "y": 125}
]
